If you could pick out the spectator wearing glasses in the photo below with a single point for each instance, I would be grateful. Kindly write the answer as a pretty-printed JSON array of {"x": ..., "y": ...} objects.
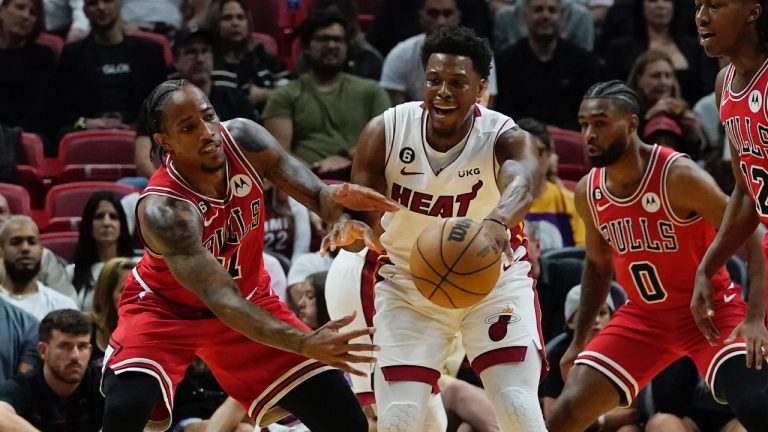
[{"x": 319, "y": 116}]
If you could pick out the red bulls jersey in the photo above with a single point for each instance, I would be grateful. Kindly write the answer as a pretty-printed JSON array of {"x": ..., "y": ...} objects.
[
  {"x": 745, "y": 117},
  {"x": 655, "y": 253},
  {"x": 233, "y": 231}
]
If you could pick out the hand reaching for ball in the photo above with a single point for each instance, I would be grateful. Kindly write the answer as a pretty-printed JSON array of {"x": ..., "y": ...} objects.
[{"x": 496, "y": 233}]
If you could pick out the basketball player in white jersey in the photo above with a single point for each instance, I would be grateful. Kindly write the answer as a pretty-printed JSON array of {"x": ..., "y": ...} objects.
[{"x": 442, "y": 158}]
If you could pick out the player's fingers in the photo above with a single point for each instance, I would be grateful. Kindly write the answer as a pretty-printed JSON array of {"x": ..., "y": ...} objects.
[
  {"x": 340, "y": 322},
  {"x": 347, "y": 336},
  {"x": 349, "y": 369},
  {"x": 709, "y": 330}
]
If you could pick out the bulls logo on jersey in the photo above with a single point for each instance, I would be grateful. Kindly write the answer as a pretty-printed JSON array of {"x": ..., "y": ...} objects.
[
  {"x": 241, "y": 185},
  {"x": 651, "y": 202},
  {"x": 755, "y": 101}
]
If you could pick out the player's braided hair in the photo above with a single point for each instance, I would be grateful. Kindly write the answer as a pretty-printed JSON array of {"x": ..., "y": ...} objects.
[
  {"x": 152, "y": 113},
  {"x": 460, "y": 41},
  {"x": 619, "y": 93}
]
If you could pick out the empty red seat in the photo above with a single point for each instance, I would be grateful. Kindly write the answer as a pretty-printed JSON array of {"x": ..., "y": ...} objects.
[
  {"x": 32, "y": 151},
  {"x": 97, "y": 155},
  {"x": 68, "y": 199},
  {"x": 17, "y": 197},
  {"x": 61, "y": 243},
  {"x": 55, "y": 43}
]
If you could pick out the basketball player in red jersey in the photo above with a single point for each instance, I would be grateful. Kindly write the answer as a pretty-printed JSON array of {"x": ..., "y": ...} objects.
[
  {"x": 448, "y": 157},
  {"x": 650, "y": 215},
  {"x": 738, "y": 31},
  {"x": 201, "y": 289}
]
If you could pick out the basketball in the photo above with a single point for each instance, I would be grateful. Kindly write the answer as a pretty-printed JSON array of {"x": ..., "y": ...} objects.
[{"x": 453, "y": 265}]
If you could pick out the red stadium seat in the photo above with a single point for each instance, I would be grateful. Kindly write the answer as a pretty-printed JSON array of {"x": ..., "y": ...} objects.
[
  {"x": 68, "y": 199},
  {"x": 157, "y": 38},
  {"x": 61, "y": 243},
  {"x": 32, "y": 151},
  {"x": 62, "y": 224},
  {"x": 97, "y": 155},
  {"x": 18, "y": 198},
  {"x": 569, "y": 146},
  {"x": 55, "y": 43},
  {"x": 269, "y": 42}
]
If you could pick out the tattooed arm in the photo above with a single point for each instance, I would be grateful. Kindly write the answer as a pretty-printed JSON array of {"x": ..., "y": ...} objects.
[
  {"x": 173, "y": 228},
  {"x": 271, "y": 160}
]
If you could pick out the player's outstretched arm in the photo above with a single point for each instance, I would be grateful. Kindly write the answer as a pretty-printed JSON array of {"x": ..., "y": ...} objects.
[
  {"x": 271, "y": 160},
  {"x": 519, "y": 180},
  {"x": 173, "y": 228},
  {"x": 367, "y": 170},
  {"x": 595, "y": 279}
]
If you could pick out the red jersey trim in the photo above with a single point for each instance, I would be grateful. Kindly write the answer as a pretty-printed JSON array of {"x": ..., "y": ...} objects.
[
  {"x": 237, "y": 151},
  {"x": 665, "y": 196},
  {"x": 412, "y": 373},
  {"x": 612, "y": 371},
  {"x": 392, "y": 141},
  {"x": 623, "y": 202},
  {"x": 215, "y": 202},
  {"x": 736, "y": 96},
  {"x": 734, "y": 349}
]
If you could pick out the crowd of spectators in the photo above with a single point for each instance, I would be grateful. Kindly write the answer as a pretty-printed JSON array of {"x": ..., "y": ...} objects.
[{"x": 78, "y": 65}]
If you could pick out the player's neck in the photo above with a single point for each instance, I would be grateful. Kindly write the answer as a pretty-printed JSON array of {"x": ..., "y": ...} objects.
[
  {"x": 210, "y": 184},
  {"x": 747, "y": 60},
  {"x": 624, "y": 176}
]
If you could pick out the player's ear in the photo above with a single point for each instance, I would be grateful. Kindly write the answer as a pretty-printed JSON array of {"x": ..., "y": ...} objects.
[
  {"x": 482, "y": 87},
  {"x": 634, "y": 122},
  {"x": 162, "y": 140},
  {"x": 755, "y": 10}
]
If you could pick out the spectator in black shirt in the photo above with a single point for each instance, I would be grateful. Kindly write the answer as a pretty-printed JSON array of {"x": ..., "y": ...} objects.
[
  {"x": 63, "y": 394},
  {"x": 104, "y": 78},
  {"x": 28, "y": 69}
]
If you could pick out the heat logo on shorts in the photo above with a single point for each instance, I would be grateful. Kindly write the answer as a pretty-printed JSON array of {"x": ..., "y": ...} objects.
[{"x": 499, "y": 321}]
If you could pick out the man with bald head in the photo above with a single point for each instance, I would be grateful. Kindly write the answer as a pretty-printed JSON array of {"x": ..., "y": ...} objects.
[
  {"x": 52, "y": 272},
  {"x": 22, "y": 255}
]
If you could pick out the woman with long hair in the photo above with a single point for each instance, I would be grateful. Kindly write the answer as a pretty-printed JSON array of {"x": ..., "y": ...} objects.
[
  {"x": 665, "y": 117},
  {"x": 106, "y": 296},
  {"x": 657, "y": 27},
  {"x": 27, "y": 75},
  {"x": 103, "y": 235},
  {"x": 257, "y": 71}
]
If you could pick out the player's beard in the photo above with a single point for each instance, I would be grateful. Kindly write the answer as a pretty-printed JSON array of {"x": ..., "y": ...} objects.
[
  {"x": 611, "y": 154},
  {"x": 21, "y": 276}
]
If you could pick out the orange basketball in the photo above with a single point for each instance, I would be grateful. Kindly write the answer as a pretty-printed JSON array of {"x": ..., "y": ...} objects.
[{"x": 453, "y": 265}]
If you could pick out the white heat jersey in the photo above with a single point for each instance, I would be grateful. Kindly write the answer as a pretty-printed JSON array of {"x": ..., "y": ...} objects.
[{"x": 464, "y": 187}]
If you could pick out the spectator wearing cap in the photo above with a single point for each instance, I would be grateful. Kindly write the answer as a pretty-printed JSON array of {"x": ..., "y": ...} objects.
[
  {"x": 193, "y": 61},
  {"x": 653, "y": 79},
  {"x": 104, "y": 78},
  {"x": 301, "y": 268},
  {"x": 619, "y": 419}
]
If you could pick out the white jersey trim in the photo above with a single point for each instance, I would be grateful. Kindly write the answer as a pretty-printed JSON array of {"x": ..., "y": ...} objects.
[
  {"x": 665, "y": 196},
  {"x": 638, "y": 193}
]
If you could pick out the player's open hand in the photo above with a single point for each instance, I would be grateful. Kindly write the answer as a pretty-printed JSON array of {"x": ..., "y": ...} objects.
[
  {"x": 754, "y": 333},
  {"x": 361, "y": 198},
  {"x": 702, "y": 308},
  {"x": 331, "y": 347},
  {"x": 346, "y": 232}
]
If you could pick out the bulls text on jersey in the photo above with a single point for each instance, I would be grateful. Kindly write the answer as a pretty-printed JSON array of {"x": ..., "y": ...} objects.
[{"x": 635, "y": 234}]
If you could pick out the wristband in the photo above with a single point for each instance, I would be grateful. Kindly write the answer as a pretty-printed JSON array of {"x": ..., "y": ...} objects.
[{"x": 497, "y": 221}]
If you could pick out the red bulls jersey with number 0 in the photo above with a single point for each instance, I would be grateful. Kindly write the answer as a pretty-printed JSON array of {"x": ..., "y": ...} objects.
[
  {"x": 233, "y": 231},
  {"x": 745, "y": 117},
  {"x": 655, "y": 253}
]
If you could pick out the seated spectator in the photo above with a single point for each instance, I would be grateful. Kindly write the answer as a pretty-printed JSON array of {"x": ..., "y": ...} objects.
[
  {"x": 65, "y": 18},
  {"x": 654, "y": 27},
  {"x": 164, "y": 16},
  {"x": 104, "y": 77},
  {"x": 577, "y": 24},
  {"x": 618, "y": 419},
  {"x": 18, "y": 331},
  {"x": 554, "y": 206},
  {"x": 257, "y": 71},
  {"x": 362, "y": 58},
  {"x": 103, "y": 236},
  {"x": 52, "y": 271},
  {"x": 312, "y": 309},
  {"x": 22, "y": 252},
  {"x": 28, "y": 73},
  {"x": 403, "y": 74},
  {"x": 287, "y": 229},
  {"x": 298, "y": 275},
  {"x": 319, "y": 116},
  {"x": 562, "y": 72},
  {"x": 62, "y": 394},
  {"x": 653, "y": 79},
  {"x": 193, "y": 61},
  {"x": 106, "y": 296}
]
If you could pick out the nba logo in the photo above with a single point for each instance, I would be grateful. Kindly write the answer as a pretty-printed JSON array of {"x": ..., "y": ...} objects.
[{"x": 755, "y": 101}]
